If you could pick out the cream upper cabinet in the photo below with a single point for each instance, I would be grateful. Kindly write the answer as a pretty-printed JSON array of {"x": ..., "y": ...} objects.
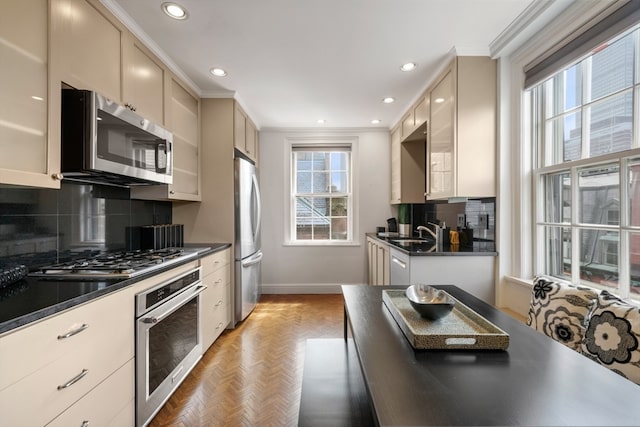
[
  {"x": 461, "y": 148},
  {"x": 26, "y": 121},
  {"x": 407, "y": 167},
  {"x": 183, "y": 119},
  {"x": 87, "y": 46},
  {"x": 244, "y": 134},
  {"x": 143, "y": 89}
]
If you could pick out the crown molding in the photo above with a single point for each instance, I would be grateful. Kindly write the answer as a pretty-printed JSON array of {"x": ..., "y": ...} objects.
[
  {"x": 135, "y": 29},
  {"x": 315, "y": 131},
  {"x": 218, "y": 94}
]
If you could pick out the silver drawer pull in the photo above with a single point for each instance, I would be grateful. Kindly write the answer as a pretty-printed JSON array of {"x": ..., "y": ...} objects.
[
  {"x": 85, "y": 423},
  {"x": 219, "y": 325},
  {"x": 74, "y": 380},
  {"x": 74, "y": 332},
  {"x": 219, "y": 303},
  {"x": 218, "y": 281}
]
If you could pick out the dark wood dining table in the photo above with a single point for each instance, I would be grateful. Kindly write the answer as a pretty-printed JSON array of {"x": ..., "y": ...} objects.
[{"x": 535, "y": 382}]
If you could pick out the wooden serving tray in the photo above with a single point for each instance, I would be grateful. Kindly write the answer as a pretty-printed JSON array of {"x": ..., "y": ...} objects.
[{"x": 463, "y": 328}]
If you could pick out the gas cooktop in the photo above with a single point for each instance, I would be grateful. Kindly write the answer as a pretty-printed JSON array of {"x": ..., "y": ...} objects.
[{"x": 115, "y": 265}]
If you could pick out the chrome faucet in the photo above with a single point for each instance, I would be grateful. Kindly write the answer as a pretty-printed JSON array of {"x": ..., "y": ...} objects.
[{"x": 437, "y": 234}]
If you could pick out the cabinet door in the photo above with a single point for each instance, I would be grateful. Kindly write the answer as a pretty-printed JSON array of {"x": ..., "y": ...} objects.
[
  {"x": 382, "y": 265},
  {"x": 87, "y": 46},
  {"x": 250, "y": 139},
  {"x": 239, "y": 129},
  {"x": 441, "y": 143},
  {"x": 421, "y": 111},
  {"x": 25, "y": 97},
  {"x": 395, "y": 167},
  {"x": 143, "y": 81},
  {"x": 407, "y": 125},
  {"x": 185, "y": 124}
]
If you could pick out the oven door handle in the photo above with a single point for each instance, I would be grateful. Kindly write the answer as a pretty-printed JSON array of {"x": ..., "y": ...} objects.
[{"x": 175, "y": 303}]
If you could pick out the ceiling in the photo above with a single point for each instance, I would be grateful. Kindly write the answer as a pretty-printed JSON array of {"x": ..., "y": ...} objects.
[{"x": 292, "y": 62}]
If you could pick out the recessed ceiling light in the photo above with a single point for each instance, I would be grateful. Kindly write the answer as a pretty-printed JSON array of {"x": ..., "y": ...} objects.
[
  {"x": 408, "y": 66},
  {"x": 375, "y": 122},
  {"x": 174, "y": 10},
  {"x": 439, "y": 100},
  {"x": 218, "y": 72},
  {"x": 321, "y": 121},
  {"x": 388, "y": 100}
]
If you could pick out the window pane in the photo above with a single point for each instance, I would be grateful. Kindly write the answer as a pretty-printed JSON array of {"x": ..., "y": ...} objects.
[
  {"x": 339, "y": 228},
  {"x": 612, "y": 68},
  {"x": 564, "y": 137},
  {"x": 339, "y": 182},
  {"x": 339, "y": 206},
  {"x": 320, "y": 182},
  {"x": 599, "y": 195},
  {"x": 557, "y": 197},
  {"x": 634, "y": 249},
  {"x": 573, "y": 87},
  {"x": 611, "y": 125},
  {"x": 320, "y": 206},
  {"x": 303, "y": 182},
  {"x": 303, "y": 160},
  {"x": 339, "y": 161},
  {"x": 558, "y": 251},
  {"x": 321, "y": 231},
  {"x": 599, "y": 257},
  {"x": 564, "y": 91},
  {"x": 634, "y": 193},
  {"x": 320, "y": 161}
]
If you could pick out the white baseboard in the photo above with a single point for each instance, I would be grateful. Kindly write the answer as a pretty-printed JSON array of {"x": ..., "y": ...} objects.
[{"x": 302, "y": 288}]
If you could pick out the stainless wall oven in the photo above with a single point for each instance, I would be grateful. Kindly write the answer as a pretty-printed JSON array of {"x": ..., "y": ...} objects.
[{"x": 168, "y": 340}]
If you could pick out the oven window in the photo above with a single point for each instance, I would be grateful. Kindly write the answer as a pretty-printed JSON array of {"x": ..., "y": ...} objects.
[{"x": 170, "y": 340}]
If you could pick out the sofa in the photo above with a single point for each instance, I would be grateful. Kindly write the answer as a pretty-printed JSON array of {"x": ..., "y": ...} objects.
[{"x": 597, "y": 324}]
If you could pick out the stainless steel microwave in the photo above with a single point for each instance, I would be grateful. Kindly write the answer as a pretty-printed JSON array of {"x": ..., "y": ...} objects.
[{"x": 105, "y": 142}]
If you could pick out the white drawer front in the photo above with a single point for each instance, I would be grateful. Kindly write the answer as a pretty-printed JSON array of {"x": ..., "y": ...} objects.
[
  {"x": 106, "y": 323},
  {"x": 215, "y": 261},
  {"x": 110, "y": 403}
]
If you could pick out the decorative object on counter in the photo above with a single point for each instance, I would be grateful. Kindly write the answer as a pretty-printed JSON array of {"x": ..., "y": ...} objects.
[
  {"x": 161, "y": 236},
  {"x": 463, "y": 329},
  {"x": 10, "y": 274},
  {"x": 380, "y": 231},
  {"x": 392, "y": 225},
  {"x": 404, "y": 218},
  {"x": 430, "y": 302}
]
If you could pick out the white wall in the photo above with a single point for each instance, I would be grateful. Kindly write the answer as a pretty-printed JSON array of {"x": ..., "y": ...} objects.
[{"x": 320, "y": 269}]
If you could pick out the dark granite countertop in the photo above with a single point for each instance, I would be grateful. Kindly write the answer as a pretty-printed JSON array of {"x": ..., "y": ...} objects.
[
  {"x": 34, "y": 298},
  {"x": 478, "y": 248}
]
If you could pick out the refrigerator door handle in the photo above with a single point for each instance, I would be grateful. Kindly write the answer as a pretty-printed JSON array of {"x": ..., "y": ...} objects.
[
  {"x": 255, "y": 259},
  {"x": 256, "y": 189}
]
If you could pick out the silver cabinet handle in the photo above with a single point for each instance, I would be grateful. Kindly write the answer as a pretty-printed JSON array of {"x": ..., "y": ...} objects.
[
  {"x": 74, "y": 380},
  {"x": 85, "y": 423},
  {"x": 219, "y": 303},
  {"x": 74, "y": 332}
]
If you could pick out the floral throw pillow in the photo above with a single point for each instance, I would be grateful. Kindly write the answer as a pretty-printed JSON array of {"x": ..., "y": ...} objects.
[
  {"x": 558, "y": 309},
  {"x": 613, "y": 336}
]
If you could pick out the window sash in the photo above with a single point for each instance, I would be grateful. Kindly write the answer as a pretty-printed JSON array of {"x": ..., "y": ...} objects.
[{"x": 336, "y": 223}]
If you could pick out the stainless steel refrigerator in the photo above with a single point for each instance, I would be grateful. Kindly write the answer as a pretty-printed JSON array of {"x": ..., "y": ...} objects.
[{"x": 248, "y": 256}]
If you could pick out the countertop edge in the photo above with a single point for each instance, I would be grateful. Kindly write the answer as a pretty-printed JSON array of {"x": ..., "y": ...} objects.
[
  {"x": 445, "y": 252},
  {"x": 25, "y": 320}
]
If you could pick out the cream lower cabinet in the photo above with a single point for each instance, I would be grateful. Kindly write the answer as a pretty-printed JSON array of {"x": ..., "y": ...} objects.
[
  {"x": 29, "y": 156},
  {"x": 214, "y": 307},
  {"x": 47, "y": 367},
  {"x": 378, "y": 262}
]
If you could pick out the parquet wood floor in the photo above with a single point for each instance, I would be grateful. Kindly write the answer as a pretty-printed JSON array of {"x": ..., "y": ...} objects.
[{"x": 252, "y": 375}]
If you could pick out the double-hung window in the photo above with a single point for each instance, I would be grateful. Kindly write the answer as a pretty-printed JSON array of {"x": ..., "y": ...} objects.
[
  {"x": 585, "y": 120},
  {"x": 321, "y": 194}
]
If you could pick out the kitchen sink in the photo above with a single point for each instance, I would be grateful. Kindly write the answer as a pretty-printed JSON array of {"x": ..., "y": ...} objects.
[{"x": 409, "y": 241}]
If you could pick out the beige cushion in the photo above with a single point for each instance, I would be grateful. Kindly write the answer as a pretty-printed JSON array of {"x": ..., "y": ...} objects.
[
  {"x": 558, "y": 309},
  {"x": 613, "y": 335}
]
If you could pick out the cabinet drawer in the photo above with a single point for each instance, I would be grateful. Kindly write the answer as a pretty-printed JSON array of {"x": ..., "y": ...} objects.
[
  {"x": 104, "y": 325},
  {"x": 111, "y": 403},
  {"x": 213, "y": 262}
]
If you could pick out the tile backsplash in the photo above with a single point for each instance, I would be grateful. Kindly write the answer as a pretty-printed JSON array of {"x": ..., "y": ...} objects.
[
  {"x": 41, "y": 226},
  {"x": 439, "y": 212}
]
